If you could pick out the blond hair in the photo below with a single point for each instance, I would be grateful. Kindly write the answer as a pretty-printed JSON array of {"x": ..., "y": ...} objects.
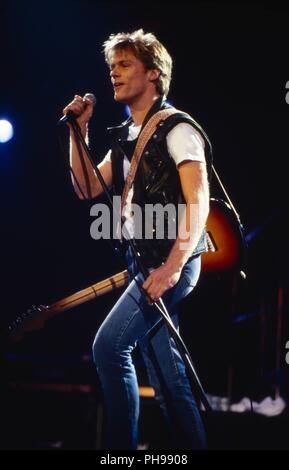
[{"x": 146, "y": 48}]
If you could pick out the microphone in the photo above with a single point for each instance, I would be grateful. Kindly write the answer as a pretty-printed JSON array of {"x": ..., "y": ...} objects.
[{"x": 70, "y": 116}]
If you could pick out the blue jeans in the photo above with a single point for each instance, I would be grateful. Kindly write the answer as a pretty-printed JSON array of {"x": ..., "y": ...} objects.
[{"x": 132, "y": 322}]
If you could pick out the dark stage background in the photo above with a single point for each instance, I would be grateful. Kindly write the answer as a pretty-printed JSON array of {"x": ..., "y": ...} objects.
[{"x": 230, "y": 73}]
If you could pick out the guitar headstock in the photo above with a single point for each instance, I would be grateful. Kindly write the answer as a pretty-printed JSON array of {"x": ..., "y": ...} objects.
[{"x": 32, "y": 319}]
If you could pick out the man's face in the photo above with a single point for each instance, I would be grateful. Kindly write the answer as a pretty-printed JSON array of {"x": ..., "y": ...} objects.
[{"x": 129, "y": 78}]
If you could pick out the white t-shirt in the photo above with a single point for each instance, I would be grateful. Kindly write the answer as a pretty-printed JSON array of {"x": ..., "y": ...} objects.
[{"x": 184, "y": 142}]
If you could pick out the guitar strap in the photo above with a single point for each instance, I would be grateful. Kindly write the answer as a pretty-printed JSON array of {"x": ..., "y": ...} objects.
[
  {"x": 226, "y": 194},
  {"x": 143, "y": 139}
]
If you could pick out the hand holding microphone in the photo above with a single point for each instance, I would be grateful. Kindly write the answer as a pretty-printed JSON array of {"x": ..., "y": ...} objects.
[{"x": 79, "y": 110}]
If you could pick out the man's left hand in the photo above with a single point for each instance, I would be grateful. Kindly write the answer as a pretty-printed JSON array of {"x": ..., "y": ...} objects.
[{"x": 159, "y": 281}]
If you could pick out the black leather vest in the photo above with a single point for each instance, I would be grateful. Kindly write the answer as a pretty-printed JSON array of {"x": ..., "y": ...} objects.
[{"x": 156, "y": 181}]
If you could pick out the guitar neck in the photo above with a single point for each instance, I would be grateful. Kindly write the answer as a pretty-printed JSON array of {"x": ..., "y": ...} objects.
[
  {"x": 89, "y": 293},
  {"x": 36, "y": 319}
]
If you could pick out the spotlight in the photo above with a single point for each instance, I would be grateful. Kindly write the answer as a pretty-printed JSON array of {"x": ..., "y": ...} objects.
[{"x": 6, "y": 131}]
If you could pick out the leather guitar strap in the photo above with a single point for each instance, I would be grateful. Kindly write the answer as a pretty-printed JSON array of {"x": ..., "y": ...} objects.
[{"x": 143, "y": 139}]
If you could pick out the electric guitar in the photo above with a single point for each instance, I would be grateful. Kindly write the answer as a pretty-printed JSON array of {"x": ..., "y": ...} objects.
[{"x": 226, "y": 253}]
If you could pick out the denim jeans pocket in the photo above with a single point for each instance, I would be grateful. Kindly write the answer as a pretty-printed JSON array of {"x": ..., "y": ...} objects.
[
  {"x": 190, "y": 282},
  {"x": 191, "y": 271}
]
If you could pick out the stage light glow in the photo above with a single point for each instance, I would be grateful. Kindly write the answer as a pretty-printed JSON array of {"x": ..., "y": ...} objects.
[{"x": 6, "y": 131}]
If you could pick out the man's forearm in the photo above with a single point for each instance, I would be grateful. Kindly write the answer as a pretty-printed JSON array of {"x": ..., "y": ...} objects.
[{"x": 189, "y": 232}]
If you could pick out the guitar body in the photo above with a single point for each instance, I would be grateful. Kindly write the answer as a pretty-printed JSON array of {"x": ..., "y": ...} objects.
[{"x": 225, "y": 238}]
